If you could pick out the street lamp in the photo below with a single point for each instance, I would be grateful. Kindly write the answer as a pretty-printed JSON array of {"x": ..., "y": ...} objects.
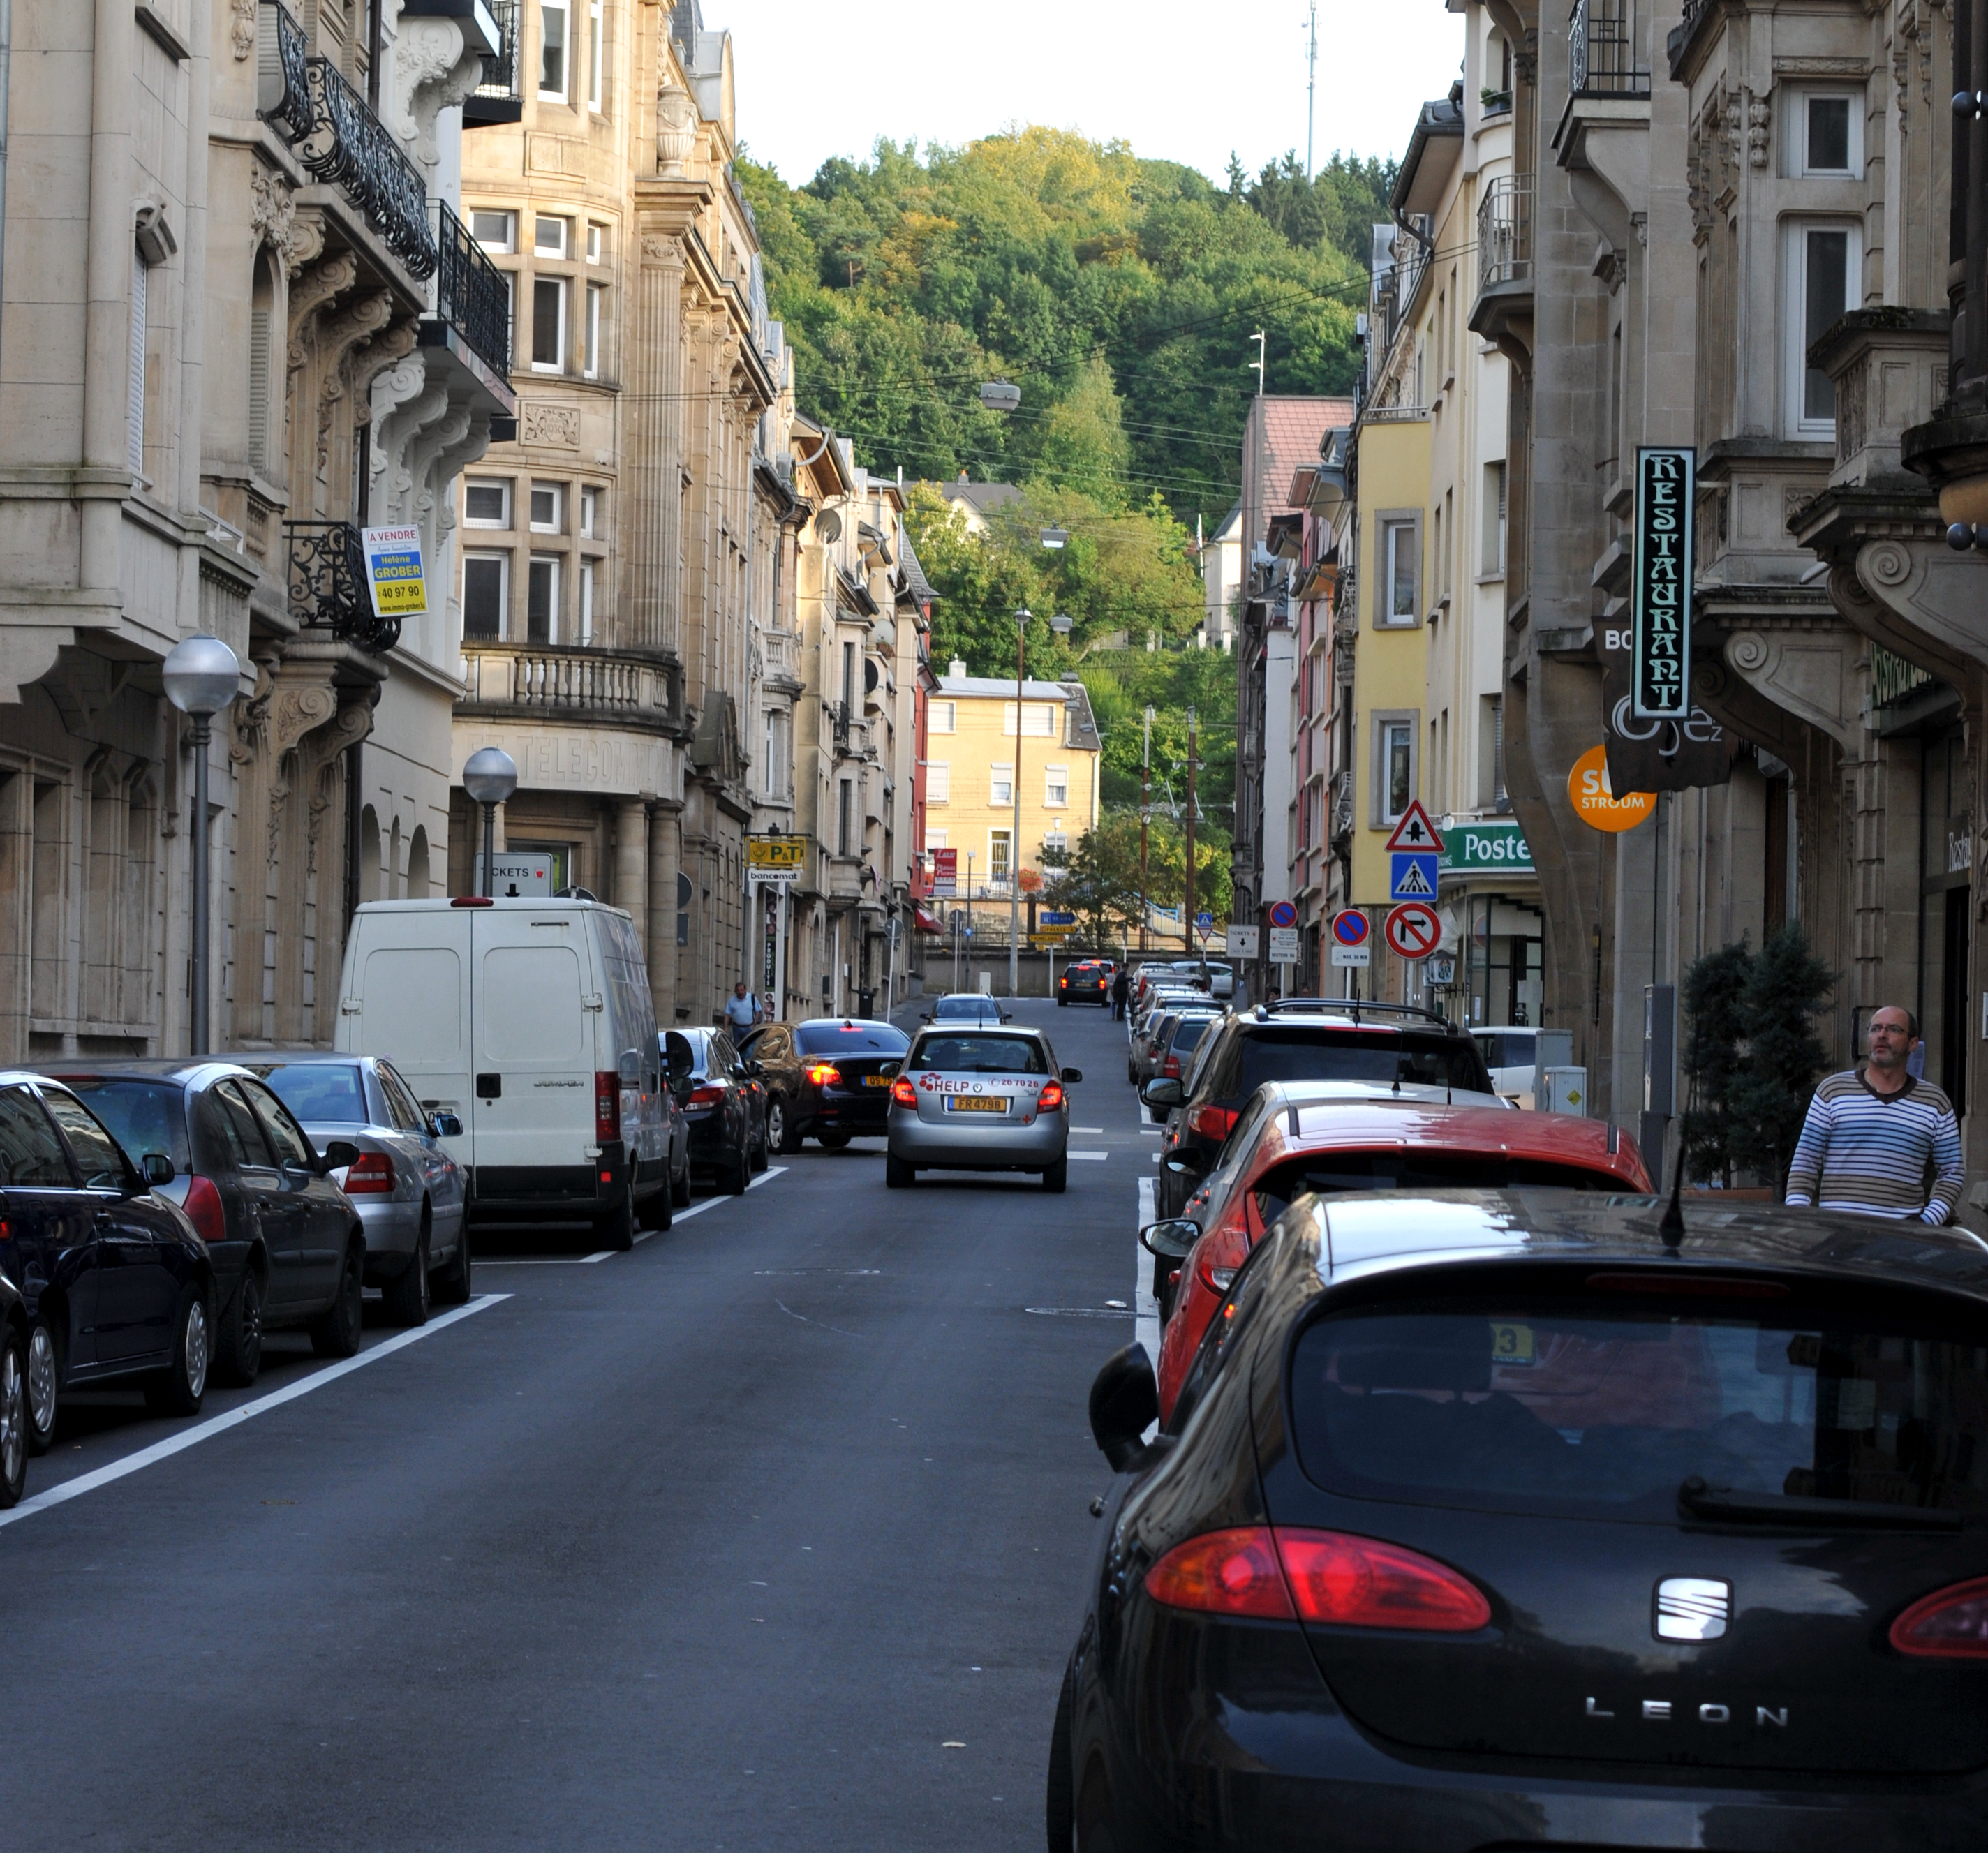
[
  {"x": 202, "y": 676},
  {"x": 1015, "y": 835},
  {"x": 1000, "y": 396},
  {"x": 490, "y": 776}
]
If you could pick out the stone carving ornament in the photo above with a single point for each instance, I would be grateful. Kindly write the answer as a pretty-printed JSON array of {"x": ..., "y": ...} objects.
[
  {"x": 272, "y": 214},
  {"x": 241, "y": 29},
  {"x": 437, "y": 68},
  {"x": 676, "y": 131}
]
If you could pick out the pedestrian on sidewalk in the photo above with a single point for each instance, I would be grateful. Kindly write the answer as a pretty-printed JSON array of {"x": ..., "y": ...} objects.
[
  {"x": 742, "y": 1008},
  {"x": 1875, "y": 1135},
  {"x": 1121, "y": 986}
]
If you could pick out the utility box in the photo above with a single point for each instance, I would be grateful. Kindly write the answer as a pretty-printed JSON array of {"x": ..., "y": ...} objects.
[
  {"x": 1563, "y": 1090},
  {"x": 1551, "y": 1049},
  {"x": 1659, "y": 1050}
]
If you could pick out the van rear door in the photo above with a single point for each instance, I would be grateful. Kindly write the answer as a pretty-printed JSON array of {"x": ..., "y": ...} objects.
[
  {"x": 537, "y": 999},
  {"x": 407, "y": 997}
]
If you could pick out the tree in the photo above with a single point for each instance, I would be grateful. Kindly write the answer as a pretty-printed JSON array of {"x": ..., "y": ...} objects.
[
  {"x": 1787, "y": 987},
  {"x": 1715, "y": 994}
]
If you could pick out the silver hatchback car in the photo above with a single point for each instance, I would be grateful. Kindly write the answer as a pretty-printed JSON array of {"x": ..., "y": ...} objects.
[{"x": 980, "y": 1099}]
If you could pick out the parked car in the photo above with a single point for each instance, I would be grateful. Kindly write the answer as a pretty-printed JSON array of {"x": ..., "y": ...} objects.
[
  {"x": 1162, "y": 1004},
  {"x": 531, "y": 1022},
  {"x": 1414, "y": 1051},
  {"x": 980, "y": 1100},
  {"x": 849, "y": 1063},
  {"x": 286, "y": 1246},
  {"x": 721, "y": 1108},
  {"x": 1085, "y": 981},
  {"x": 1299, "y": 1138},
  {"x": 958, "y": 1007},
  {"x": 411, "y": 1194},
  {"x": 14, "y": 1425},
  {"x": 1172, "y": 1048},
  {"x": 1486, "y": 1519}
]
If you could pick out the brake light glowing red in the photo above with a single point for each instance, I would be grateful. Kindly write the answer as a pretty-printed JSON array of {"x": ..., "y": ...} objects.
[
  {"x": 371, "y": 1174},
  {"x": 473, "y": 900},
  {"x": 1171, "y": 1067},
  {"x": 204, "y": 1210},
  {"x": 1951, "y": 1624},
  {"x": 823, "y": 1074},
  {"x": 1051, "y": 1098},
  {"x": 1211, "y": 1122},
  {"x": 606, "y": 1106},
  {"x": 706, "y": 1093},
  {"x": 1332, "y": 1578},
  {"x": 902, "y": 1094}
]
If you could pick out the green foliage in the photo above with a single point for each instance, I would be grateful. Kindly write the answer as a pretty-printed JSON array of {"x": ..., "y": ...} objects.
[
  {"x": 1714, "y": 989},
  {"x": 1099, "y": 880},
  {"x": 1339, "y": 206}
]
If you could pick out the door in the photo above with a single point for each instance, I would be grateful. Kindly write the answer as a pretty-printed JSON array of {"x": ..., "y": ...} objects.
[
  {"x": 47, "y": 1245},
  {"x": 137, "y": 1292},
  {"x": 410, "y": 1000},
  {"x": 257, "y": 1190},
  {"x": 323, "y": 1220},
  {"x": 536, "y": 1008}
]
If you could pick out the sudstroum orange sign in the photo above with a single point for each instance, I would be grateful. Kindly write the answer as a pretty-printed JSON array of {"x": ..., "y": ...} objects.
[{"x": 1595, "y": 805}]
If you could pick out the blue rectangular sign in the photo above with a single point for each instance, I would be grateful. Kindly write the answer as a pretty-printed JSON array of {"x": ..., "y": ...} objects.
[{"x": 1412, "y": 877}]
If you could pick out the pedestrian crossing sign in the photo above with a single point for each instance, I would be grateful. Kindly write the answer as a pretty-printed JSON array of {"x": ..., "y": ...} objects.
[{"x": 1412, "y": 877}]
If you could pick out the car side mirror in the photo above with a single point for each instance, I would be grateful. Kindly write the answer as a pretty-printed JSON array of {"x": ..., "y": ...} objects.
[
  {"x": 1172, "y": 1240},
  {"x": 1071, "y": 1076},
  {"x": 756, "y": 1070},
  {"x": 338, "y": 1154},
  {"x": 1184, "y": 1162},
  {"x": 890, "y": 1070},
  {"x": 1163, "y": 1093},
  {"x": 445, "y": 1126},
  {"x": 157, "y": 1168},
  {"x": 1124, "y": 1403}
]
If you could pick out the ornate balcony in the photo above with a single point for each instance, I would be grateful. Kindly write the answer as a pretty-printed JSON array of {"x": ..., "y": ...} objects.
[
  {"x": 1601, "y": 48},
  {"x": 470, "y": 292},
  {"x": 500, "y": 97},
  {"x": 1505, "y": 231},
  {"x": 328, "y": 586},
  {"x": 573, "y": 682},
  {"x": 283, "y": 72}
]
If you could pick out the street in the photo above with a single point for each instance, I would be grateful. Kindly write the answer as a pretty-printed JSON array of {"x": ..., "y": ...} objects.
[{"x": 769, "y": 1533}]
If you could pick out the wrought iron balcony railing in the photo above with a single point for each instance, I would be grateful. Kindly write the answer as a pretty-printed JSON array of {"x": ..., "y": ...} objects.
[
  {"x": 1601, "y": 50},
  {"x": 471, "y": 294},
  {"x": 1505, "y": 231},
  {"x": 328, "y": 585},
  {"x": 500, "y": 97},
  {"x": 283, "y": 72}
]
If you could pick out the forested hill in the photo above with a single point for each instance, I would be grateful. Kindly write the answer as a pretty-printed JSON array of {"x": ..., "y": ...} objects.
[{"x": 1120, "y": 294}]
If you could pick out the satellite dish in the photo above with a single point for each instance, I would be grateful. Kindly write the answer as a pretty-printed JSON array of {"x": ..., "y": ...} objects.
[{"x": 828, "y": 525}]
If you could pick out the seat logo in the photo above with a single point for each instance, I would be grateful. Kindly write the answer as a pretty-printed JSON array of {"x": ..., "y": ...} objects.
[{"x": 1692, "y": 1608}]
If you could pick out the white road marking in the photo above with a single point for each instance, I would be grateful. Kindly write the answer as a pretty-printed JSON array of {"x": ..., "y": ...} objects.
[
  {"x": 544, "y": 1260},
  {"x": 1087, "y": 1154},
  {"x": 220, "y": 1424},
  {"x": 1146, "y": 1329},
  {"x": 697, "y": 1209},
  {"x": 1153, "y": 1132},
  {"x": 1098, "y": 1131}
]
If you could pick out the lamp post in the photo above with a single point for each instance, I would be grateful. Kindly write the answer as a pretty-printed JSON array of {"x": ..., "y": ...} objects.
[
  {"x": 202, "y": 676},
  {"x": 490, "y": 776},
  {"x": 1015, "y": 834}
]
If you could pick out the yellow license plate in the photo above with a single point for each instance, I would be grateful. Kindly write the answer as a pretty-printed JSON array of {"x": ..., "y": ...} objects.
[
  {"x": 1512, "y": 1344},
  {"x": 955, "y": 1104},
  {"x": 875, "y": 1081}
]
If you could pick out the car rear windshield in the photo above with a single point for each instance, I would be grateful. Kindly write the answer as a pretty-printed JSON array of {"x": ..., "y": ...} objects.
[
  {"x": 1582, "y": 1403},
  {"x": 1295, "y": 1053},
  {"x": 851, "y": 1039},
  {"x": 1189, "y": 1032},
  {"x": 142, "y": 1115},
  {"x": 1325, "y": 1172},
  {"x": 971, "y": 1007},
  {"x": 1506, "y": 1049},
  {"x": 318, "y": 1090},
  {"x": 980, "y": 1055}
]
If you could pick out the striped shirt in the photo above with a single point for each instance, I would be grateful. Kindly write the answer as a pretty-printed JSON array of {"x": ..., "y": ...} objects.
[{"x": 1871, "y": 1152}]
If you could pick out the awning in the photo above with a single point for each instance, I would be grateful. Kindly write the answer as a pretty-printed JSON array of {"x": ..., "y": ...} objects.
[{"x": 926, "y": 923}]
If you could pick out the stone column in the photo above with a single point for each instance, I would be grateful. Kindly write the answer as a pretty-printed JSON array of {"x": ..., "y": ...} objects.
[
  {"x": 656, "y": 449},
  {"x": 662, "y": 922},
  {"x": 631, "y": 862}
]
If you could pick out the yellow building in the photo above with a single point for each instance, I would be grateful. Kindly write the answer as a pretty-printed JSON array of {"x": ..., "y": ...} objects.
[{"x": 970, "y": 774}]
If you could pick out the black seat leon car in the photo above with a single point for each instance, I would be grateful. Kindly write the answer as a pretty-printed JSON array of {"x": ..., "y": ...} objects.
[{"x": 1493, "y": 1520}]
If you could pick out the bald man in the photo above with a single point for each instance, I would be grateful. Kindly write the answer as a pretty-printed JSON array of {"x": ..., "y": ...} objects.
[{"x": 1873, "y": 1134}]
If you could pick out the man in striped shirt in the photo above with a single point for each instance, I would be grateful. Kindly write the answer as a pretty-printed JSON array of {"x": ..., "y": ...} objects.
[{"x": 1874, "y": 1134}]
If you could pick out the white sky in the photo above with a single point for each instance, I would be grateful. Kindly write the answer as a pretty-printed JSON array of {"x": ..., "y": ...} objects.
[{"x": 1181, "y": 81}]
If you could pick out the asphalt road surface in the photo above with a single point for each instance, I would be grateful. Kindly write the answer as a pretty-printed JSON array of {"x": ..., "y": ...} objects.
[{"x": 769, "y": 1534}]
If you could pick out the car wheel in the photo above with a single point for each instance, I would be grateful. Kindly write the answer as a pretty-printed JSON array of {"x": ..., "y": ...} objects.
[
  {"x": 334, "y": 1333},
  {"x": 44, "y": 1391},
  {"x": 680, "y": 1184},
  {"x": 405, "y": 1300},
  {"x": 1055, "y": 1180},
  {"x": 776, "y": 1124},
  {"x": 238, "y": 1353},
  {"x": 660, "y": 1211},
  {"x": 453, "y": 1288},
  {"x": 14, "y": 1419},
  {"x": 179, "y": 1388},
  {"x": 740, "y": 1175},
  {"x": 897, "y": 1174},
  {"x": 1060, "y": 1804},
  {"x": 761, "y": 1150},
  {"x": 832, "y": 1141},
  {"x": 616, "y": 1230},
  {"x": 1061, "y": 1002}
]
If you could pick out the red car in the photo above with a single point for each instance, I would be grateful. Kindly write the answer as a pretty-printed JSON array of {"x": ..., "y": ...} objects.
[{"x": 1292, "y": 1140}]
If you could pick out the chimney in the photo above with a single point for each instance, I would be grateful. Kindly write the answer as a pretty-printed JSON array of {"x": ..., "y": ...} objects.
[{"x": 958, "y": 669}]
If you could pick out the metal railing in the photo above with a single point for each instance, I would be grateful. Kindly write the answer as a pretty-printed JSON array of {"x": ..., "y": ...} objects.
[
  {"x": 470, "y": 291},
  {"x": 1505, "y": 231},
  {"x": 1601, "y": 50},
  {"x": 500, "y": 96},
  {"x": 567, "y": 677},
  {"x": 283, "y": 70},
  {"x": 328, "y": 586}
]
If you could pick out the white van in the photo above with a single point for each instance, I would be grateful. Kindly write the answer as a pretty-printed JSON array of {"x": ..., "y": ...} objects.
[{"x": 531, "y": 1021}]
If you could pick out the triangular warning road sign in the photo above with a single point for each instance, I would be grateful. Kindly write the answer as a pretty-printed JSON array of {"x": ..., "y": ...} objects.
[{"x": 1414, "y": 831}]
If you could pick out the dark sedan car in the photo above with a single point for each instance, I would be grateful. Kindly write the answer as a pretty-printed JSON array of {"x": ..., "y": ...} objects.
[
  {"x": 1086, "y": 981},
  {"x": 115, "y": 1283},
  {"x": 288, "y": 1248},
  {"x": 721, "y": 1108},
  {"x": 847, "y": 1065},
  {"x": 13, "y": 1396},
  {"x": 1496, "y": 1519}
]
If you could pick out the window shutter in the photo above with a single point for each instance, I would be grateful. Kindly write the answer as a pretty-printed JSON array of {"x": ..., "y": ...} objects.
[
  {"x": 135, "y": 408},
  {"x": 258, "y": 390}
]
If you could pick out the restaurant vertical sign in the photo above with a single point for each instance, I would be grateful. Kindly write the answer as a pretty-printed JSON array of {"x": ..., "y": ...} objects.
[{"x": 1660, "y": 591}]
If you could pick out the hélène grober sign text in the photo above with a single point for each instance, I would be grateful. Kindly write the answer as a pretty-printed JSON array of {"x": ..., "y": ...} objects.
[{"x": 1660, "y": 589}]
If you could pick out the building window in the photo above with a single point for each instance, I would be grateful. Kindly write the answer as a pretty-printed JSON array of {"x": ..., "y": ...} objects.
[
  {"x": 552, "y": 50},
  {"x": 938, "y": 782},
  {"x": 1038, "y": 719},
  {"x": 549, "y": 237},
  {"x": 1001, "y": 784},
  {"x": 486, "y": 501},
  {"x": 849, "y": 678},
  {"x": 1400, "y": 544},
  {"x": 940, "y": 717},
  {"x": 485, "y": 591},
  {"x": 1395, "y": 771},
  {"x": 497, "y": 232},
  {"x": 1822, "y": 261},
  {"x": 541, "y": 600},
  {"x": 1826, "y": 135},
  {"x": 935, "y": 839},
  {"x": 596, "y": 53},
  {"x": 596, "y": 300},
  {"x": 596, "y": 242},
  {"x": 1056, "y": 787},
  {"x": 588, "y": 569},
  {"x": 776, "y": 754},
  {"x": 1492, "y": 563},
  {"x": 546, "y": 509},
  {"x": 1056, "y": 842},
  {"x": 589, "y": 514},
  {"x": 548, "y": 325},
  {"x": 1000, "y": 843},
  {"x": 135, "y": 376},
  {"x": 845, "y": 805}
]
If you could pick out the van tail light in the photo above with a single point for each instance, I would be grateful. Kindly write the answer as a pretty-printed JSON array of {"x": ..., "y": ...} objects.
[
  {"x": 204, "y": 1210},
  {"x": 606, "y": 1106},
  {"x": 1281, "y": 1575},
  {"x": 473, "y": 900},
  {"x": 1171, "y": 1068},
  {"x": 706, "y": 1093},
  {"x": 371, "y": 1174},
  {"x": 1950, "y": 1625},
  {"x": 1220, "y": 1255},
  {"x": 902, "y": 1094},
  {"x": 1212, "y": 1122},
  {"x": 823, "y": 1074},
  {"x": 1051, "y": 1098}
]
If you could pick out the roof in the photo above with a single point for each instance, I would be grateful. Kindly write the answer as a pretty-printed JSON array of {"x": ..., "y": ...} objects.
[
  {"x": 1440, "y": 121},
  {"x": 994, "y": 687},
  {"x": 1283, "y": 435},
  {"x": 981, "y": 496},
  {"x": 164, "y": 1067},
  {"x": 1345, "y": 1125}
]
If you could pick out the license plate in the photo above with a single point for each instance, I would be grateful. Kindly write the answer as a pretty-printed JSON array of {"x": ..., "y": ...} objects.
[
  {"x": 875, "y": 1081},
  {"x": 969, "y": 1104}
]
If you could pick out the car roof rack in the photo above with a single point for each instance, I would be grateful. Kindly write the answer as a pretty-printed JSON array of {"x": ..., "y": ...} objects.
[{"x": 1352, "y": 1007}]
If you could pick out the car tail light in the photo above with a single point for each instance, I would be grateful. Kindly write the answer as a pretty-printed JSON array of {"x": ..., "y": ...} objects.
[
  {"x": 606, "y": 1106},
  {"x": 473, "y": 900},
  {"x": 371, "y": 1174},
  {"x": 902, "y": 1094},
  {"x": 1212, "y": 1122},
  {"x": 1224, "y": 1252},
  {"x": 1170, "y": 1068},
  {"x": 706, "y": 1093},
  {"x": 1256, "y": 1572},
  {"x": 1950, "y": 1625},
  {"x": 1051, "y": 1097},
  {"x": 823, "y": 1074},
  {"x": 204, "y": 1210}
]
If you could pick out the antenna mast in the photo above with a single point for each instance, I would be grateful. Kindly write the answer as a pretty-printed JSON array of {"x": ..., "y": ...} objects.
[
  {"x": 1259, "y": 365},
  {"x": 1311, "y": 89}
]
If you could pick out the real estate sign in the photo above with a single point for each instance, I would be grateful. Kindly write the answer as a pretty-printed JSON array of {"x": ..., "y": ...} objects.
[
  {"x": 1660, "y": 582},
  {"x": 393, "y": 572}
]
